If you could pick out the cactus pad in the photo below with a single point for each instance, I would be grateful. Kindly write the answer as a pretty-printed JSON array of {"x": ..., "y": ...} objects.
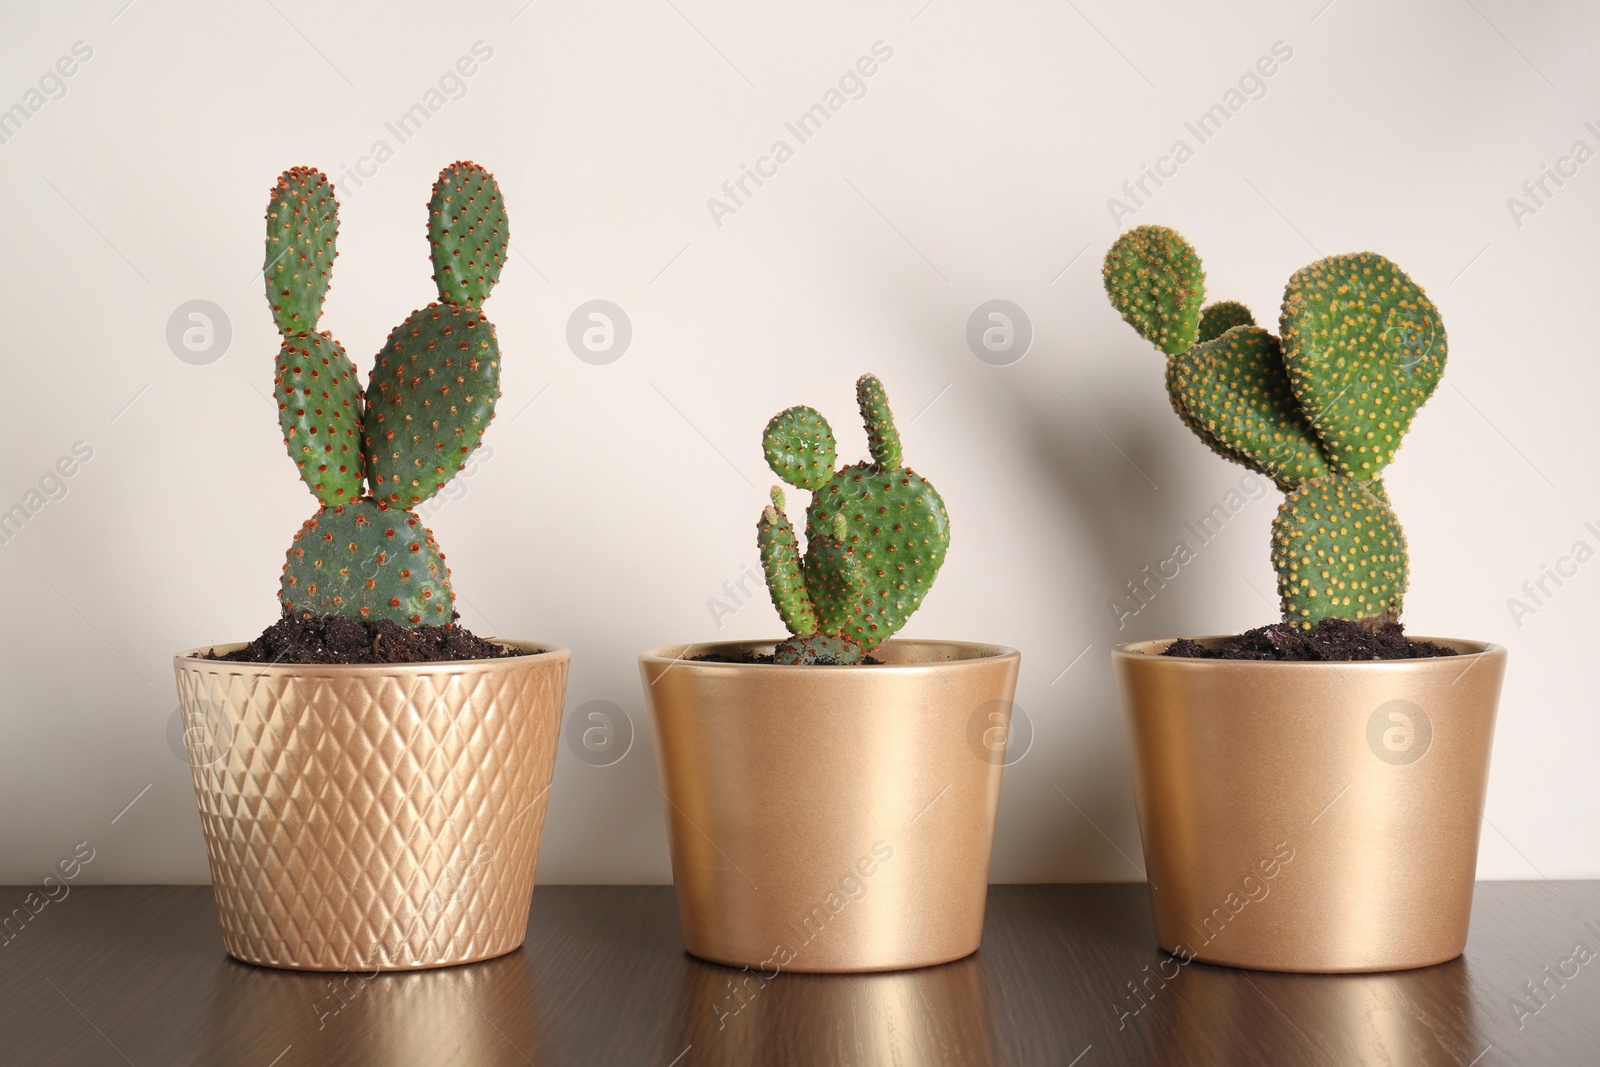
[
  {"x": 1155, "y": 282},
  {"x": 900, "y": 531},
  {"x": 468, "y": 232},
  {"x": 1365, "y": 348},
  {"x": 1339, "y": 552},
  {"x": 834, "y": 579},
  {"x": 780, "y": 559},
  {"x": 1217, "y": 319},
  {"x": 883, "y": 440},
  {"x": 1236, "y": 389},
  {"x": 369, "y": 561},
  {"x": 830, "y": 649},
  {"x": 302, "y": 228},
  {"x": 800, "y": 447},
  {"x": 319, "y": 411},
  {"x": 1175, "y": 397},
  {"x": 431, "y": 396}
]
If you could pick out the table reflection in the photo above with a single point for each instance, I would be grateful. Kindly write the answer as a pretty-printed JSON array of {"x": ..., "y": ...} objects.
[
  {"x": 1401, "y": 1019},
  {"x": 479, "y": 1013},
  {"x": 931, "y": 1016}
]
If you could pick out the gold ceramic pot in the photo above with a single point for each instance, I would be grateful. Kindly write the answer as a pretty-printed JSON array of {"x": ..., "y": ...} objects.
[
  {"x": 831, "y": 818},
  {"x": 1311, "y": 816},
  {"x": 372, "y": 817}
]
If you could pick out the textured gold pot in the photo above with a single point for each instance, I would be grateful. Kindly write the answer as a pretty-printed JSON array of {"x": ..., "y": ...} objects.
[
  {"x": 1311, "y": 816},
  {"x": 831, "y": 818},
  {"x": 362, "y": 817}
]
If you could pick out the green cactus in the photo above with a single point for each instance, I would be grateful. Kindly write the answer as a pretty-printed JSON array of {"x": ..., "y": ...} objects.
[
  {"x": 1235, "y": 387},
  {"x": 1155, "y": 282},
  {"x": 800, "y": 448},
  {"x": 876, "y": 535},
  {"x": 369, "y": 561},
  {"x": 1175, "y": 391},
  {"x": 1365, "y": 350},
  {"x": 431, "y": 396},
  {"x": 834, "y": 579},
  {"x": 469, "y": 234},
  {"x": 1338, "y": 550},
  {"x": 370, "y": 455},
  {"x": 1321, "y": 413},
  {"x": 319, "y": 410},
  {"x": 302, "y": 227},
  {"x": 1217, "y": 319},
  {"x": 828, "y": 649},
  {"x": 780, "y": 559}
]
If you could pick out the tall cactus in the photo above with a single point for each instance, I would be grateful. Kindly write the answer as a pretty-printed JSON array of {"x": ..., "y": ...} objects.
[
  {"x": 1320, "y": 411},
  {"x": 371, "y": 455},
  {"x": 876, "y": 534}
]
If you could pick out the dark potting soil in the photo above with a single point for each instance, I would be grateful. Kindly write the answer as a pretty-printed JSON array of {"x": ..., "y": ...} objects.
[
  {"x": 1336, "y": 640},
  {"x": 768, "y": 657},
  {"x": 336, "y": 639}
]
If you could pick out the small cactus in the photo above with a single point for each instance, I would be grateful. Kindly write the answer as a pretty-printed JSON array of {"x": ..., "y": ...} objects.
[
  {"x": 468, "y": 232},
  {"x": 1156, "y": 284},
  {"x": 319, "y": 411},
  {"x": 1321, "y": 411},
  {"x": 876, "y": 535},
  {"x": 367, "y": 560},
  {"x": 369, "y": 455},
  {"x": 431, "y": 396},
  {"x": 302, "y": 230}
]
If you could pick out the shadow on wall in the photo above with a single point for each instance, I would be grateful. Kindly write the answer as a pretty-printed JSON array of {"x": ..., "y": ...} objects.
[{"x": 1124, "y": 497}]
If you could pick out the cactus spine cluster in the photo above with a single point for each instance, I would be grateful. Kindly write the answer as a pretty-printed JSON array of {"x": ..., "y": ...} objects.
[
  {"x": 370, "y": 455},
  {"x": 1319, "y": 409},
  {"x": 876, "y": 535}
]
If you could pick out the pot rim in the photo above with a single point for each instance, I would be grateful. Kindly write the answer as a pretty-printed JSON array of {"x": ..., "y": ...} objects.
[
  {"x": 1468, "y": 651},
  {"x": 677, "y": 654},
  {"x": 530, "y": 650}
]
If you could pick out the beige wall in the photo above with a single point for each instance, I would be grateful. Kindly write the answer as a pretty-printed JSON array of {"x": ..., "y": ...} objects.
[{"x": 976, "y": 164}]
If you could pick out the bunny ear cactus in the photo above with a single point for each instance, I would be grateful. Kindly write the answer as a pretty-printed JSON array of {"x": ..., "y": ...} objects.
[
  {"x": 468, "y": 232},
  {"x": 302, "y": 227},
  {"x": 1155, "y": 282},
  {"x": 434, "y": 388},
  {"x": 318, "y": 393},
  {"x": 319, "y": 412},
  {"x": 1236, "y": 389},
  {"x": 1217, "y": 319},
  {"x": 369, "y": 561},
  {"x": 370, "y": 455},
  {"x": 431, "y": 396},
  {"x": 1321, "y": 412},
  {"x": 1365, "y": 350},
  {"x": 876, "y": 534}
]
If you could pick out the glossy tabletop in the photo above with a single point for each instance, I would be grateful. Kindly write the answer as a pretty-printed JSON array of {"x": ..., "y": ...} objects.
[{"x": 1068, "y": 975}]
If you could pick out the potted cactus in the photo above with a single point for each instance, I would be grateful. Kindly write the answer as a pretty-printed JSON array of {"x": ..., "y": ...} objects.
[
  {"x": 371, "y": 776},
  {"x": 1310, "y": 792},
  {"x": 831, "y": 796}
]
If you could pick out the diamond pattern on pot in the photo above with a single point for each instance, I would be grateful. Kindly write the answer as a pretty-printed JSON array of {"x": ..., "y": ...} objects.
[{"x": 380, "y": 817}]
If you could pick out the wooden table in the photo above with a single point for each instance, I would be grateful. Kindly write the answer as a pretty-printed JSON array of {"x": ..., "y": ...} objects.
[{"x": 137, "y": 975}]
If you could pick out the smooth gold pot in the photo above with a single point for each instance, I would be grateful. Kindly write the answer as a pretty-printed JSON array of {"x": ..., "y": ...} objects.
[
  {"x": 831, "y": 818},
  {"x": 1311, "y": 816},
  {"x": 372, "y": 817}
]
